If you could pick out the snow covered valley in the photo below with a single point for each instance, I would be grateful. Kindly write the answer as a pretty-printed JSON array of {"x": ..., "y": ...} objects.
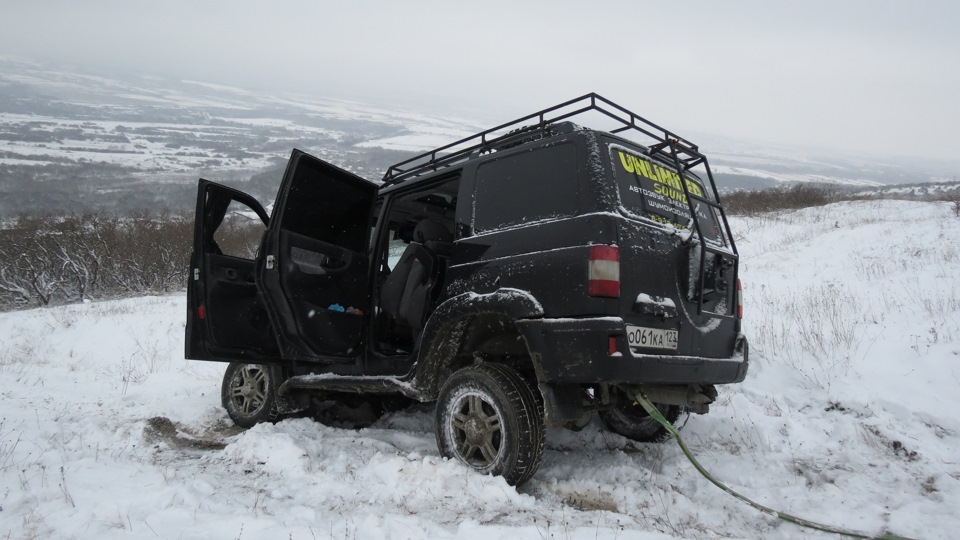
[{"x": 847, "y": 417}]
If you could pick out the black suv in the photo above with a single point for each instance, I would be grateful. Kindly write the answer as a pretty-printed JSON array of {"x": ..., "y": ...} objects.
[{"x": 524, "y": 277}]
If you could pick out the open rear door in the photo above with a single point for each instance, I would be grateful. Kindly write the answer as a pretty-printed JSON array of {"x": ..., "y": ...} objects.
[
  {"x": 313, "y": 268},
  {"x": 226, "y": 318}
]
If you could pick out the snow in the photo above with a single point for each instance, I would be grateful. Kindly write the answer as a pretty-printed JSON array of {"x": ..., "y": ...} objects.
[
  {"x": 130, "y": 151},
  {"x": 414, "y": 142},
  {"x": 795, "y": 177},
  {"x": 847, "y": 416},
  {"x": 423, "y": 137},
  {"x": 14, "y": 161},
  {"x": 644, "y": 298}
]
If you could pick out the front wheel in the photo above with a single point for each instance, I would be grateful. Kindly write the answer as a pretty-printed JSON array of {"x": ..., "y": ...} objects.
[
  {"x": 490, "y": 418},
  {"x": 249, "y": 394}
]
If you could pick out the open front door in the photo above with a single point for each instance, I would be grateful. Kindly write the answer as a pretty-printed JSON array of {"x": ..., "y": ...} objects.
[
  {"x": 226, "y": 319},
  {"x": 313, "y": 267}
]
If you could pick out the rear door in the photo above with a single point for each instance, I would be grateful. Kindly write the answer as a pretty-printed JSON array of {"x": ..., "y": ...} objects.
[
  {"x": 667, "y": 308},
  {"x": 226, "y": 319},
  {"x": 314, "y": 264}
]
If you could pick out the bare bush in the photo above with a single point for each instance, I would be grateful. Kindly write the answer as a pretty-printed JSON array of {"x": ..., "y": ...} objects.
[
  {"x": 53, "y": 260},
  {"x": 796, "y": 196},
  {"x": 780, "y": 198},
  {"x": 948, "y": 192}
]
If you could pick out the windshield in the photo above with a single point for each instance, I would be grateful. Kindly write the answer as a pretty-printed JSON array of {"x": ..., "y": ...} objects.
[{"x": 650, "y": 190}]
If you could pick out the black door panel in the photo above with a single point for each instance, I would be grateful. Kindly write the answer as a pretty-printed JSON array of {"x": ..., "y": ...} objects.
[
  {"x": 325, "y": 286},
  {"x": 315, "y": 256},
  {"x": 236, "y": 317},
  {"x": 314, "y": 266},
  {"x": 227, "y": 319}
]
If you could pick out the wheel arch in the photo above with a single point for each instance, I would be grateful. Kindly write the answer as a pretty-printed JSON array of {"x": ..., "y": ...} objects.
[{"x": 469, "y": 324}]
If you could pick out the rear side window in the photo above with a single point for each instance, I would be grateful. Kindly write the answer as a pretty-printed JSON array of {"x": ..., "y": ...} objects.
[
  {"x": 526, "y": 187},
  {"x": 653, "y": 191}
]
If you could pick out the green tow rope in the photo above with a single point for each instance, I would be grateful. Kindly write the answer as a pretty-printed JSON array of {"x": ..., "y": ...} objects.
[{"x": 655, "y": 413}]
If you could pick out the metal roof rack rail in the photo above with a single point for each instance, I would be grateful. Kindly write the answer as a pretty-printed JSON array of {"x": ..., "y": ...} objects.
[{"x": 489, "y": 140}]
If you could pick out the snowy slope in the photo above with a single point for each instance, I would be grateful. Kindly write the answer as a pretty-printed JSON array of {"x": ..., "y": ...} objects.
[{"x": 848, "y": 416}]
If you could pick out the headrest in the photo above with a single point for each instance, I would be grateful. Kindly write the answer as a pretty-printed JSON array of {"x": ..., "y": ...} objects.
[{"x": 431, "y": 231}]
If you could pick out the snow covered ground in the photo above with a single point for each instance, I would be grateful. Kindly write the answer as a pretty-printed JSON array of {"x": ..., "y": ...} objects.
[
  {"x": 848, "y": 416},
  {"x": 791, "y": 177}
]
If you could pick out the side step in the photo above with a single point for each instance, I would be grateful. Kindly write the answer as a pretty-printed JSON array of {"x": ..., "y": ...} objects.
[{"x": 358, "y": 385}]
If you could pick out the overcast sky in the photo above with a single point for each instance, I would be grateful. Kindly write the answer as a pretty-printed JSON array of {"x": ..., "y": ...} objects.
[{"x": 865, "y": 76}]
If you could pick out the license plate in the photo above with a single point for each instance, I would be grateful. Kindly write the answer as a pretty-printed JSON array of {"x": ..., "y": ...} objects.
[{"x": 656, "y": 338}]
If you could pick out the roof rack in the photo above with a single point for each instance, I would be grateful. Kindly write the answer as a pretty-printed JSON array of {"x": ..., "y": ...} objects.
[
  {"x": 485, "y": 141},
  {"x": 664, "y": 145}
]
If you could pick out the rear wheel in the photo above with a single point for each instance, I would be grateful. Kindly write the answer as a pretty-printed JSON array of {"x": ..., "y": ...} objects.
[
  {"x": 490, "y": 418},
  {"x": 629, "y": 419},
  {"x": 249, "y": 394}
]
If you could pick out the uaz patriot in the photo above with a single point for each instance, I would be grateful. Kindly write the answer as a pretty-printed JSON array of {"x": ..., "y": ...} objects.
[{"x": 528, "y": 276}]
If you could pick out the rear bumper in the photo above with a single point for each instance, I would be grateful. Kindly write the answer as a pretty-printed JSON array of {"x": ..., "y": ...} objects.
[{"x": 577, "y": 351}]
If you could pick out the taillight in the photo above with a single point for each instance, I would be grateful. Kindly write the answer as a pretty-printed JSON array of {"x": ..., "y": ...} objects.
[
  {"x": 604, "y": 274},
  {"x": 202, "y": 313},
  {"x": 739, "y": 300}
]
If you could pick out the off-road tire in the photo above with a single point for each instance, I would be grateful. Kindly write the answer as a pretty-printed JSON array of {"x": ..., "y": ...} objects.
[
  {"x": 629, "y": 419},
  {"x": 249, "y": 394},
  {"x": 491, "y": 418}
]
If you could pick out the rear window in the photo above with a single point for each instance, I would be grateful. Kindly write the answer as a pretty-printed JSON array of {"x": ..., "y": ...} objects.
[{"x": 653, "y": 191}]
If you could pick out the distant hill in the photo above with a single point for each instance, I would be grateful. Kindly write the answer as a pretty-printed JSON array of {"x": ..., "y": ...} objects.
[{"x": 71, "y": 140}]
